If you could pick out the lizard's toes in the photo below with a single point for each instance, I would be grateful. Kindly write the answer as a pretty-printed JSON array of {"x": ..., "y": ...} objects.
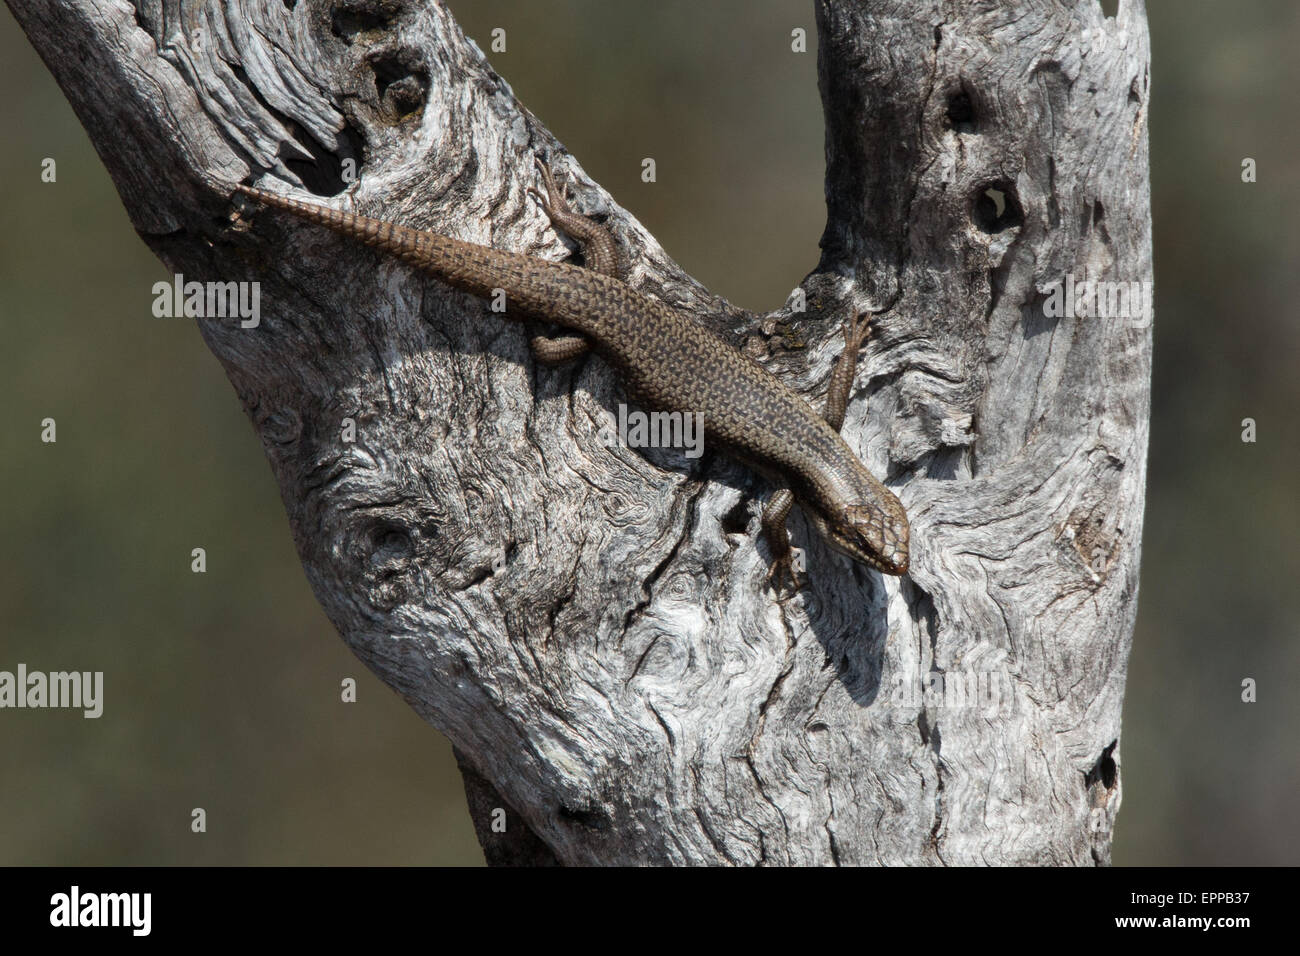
[{"x": 783, "y": 579}]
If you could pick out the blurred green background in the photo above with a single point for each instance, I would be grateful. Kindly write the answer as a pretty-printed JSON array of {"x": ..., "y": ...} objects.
[{"x": 222, "y": 689}]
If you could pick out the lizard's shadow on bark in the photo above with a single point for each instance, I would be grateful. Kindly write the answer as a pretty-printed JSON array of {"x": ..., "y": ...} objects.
[
  {"x": 843, "y": 605},
  {"x": 847, "y": 611}
]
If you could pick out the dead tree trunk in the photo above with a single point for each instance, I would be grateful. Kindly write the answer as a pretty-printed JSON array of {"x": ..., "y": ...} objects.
[{"x": 589, "y": 625}]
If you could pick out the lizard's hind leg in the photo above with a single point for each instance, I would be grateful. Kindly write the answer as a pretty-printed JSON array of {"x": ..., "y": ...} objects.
[
  {"x": 558, "y": 349},
  {"x": 599, "y": 249}
]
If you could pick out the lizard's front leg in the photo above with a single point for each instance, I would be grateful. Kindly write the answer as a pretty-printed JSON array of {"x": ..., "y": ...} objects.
[
  {"x": 782, "y": 570},
  {"x": 856, "y": 332}
]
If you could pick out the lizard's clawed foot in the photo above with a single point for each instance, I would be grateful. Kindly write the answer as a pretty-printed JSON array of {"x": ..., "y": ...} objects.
[
  {"x": 554, "y": 202},
  {"x": 783, "y": 578},
  {"x": 857, "y": 330}
]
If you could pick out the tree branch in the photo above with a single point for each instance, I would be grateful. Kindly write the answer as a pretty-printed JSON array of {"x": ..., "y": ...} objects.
[{"x": 588, "y": 624}]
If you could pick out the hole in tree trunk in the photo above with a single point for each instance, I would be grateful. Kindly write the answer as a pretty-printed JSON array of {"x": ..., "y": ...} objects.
[
  {"x": 961, "y": 112},
  {"x": 997, "y": 207}
]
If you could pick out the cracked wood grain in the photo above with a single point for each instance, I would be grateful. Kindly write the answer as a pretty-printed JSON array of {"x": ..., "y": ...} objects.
[{"x": 587, "y": 624}]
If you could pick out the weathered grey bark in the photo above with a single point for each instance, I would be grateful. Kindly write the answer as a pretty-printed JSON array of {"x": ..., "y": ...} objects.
[{"x": 588, "y": 625}]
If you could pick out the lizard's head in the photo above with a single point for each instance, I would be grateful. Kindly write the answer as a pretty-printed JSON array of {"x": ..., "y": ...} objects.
[{"x": 877, "y": 537}]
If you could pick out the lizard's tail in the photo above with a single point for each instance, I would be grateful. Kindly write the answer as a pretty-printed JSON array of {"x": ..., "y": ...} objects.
[
  {"x": 466, "y": 265},
  {"x": 400, "y": 241},
  {"x": 480, "y": 270}
]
